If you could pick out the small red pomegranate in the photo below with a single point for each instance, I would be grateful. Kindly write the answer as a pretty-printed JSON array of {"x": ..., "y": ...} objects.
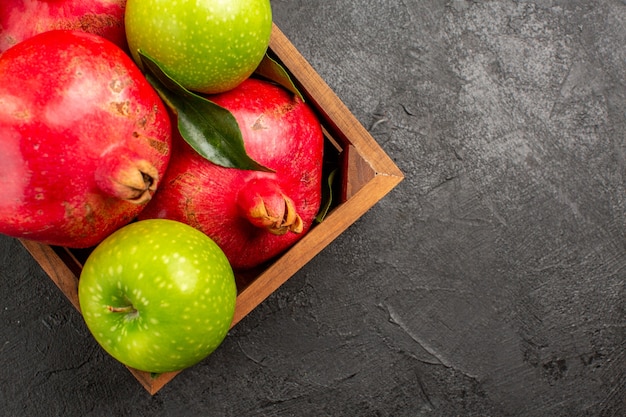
[
  {"x": 252, "y": 215},
  {"x": 22, "y": 19},
  {"x": 84, "y": 139}
]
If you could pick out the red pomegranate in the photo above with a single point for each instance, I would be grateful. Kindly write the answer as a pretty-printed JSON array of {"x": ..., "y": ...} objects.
[
  {"x": 252, "y": 215},
  {"x": 84, "y": 139},
  {"x": 22, "y": 19}
]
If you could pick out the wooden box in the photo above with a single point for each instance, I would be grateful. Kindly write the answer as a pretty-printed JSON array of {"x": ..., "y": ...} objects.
[{"x": 365, "y": 175}]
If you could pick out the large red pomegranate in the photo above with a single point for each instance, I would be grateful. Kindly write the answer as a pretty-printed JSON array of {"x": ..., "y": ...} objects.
[
  {"x": 84, "y": 139},
  {"x": 22, "y": 19},
  {"x": 252, "y": 215}
]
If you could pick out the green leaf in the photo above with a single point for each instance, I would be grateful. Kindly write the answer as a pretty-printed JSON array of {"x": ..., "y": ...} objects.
[
  {"x": 208, "y": 128},
  {"x": 327, "y": 197},
  {"x": 273, "y": 71}
]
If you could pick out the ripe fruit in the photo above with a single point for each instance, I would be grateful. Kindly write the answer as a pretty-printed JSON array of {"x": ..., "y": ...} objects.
[
  {"x": 252, "y": 215},
  {"x": 158, "y": 295},
  {"x": 208, "y": 46},
  {"x": 22, "y": 19},
  {"x": 84, "y": 139}
]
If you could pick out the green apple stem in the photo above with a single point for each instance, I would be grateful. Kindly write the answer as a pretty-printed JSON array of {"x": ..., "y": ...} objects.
[{"x": 124, "y": 309}]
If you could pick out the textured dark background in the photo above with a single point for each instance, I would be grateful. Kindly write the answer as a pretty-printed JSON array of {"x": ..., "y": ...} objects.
[{"x": 490, "y": 282}]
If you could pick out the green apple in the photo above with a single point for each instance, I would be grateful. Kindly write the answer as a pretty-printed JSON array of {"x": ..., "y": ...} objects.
[
  {"x": 158, "y": 295},
  {"x": 208, "y": 46}
]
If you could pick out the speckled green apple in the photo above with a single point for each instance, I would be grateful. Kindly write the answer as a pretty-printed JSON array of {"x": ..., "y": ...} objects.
[
  {"x": 158, "y": 295},
  {"x": 208, "y": 46}
]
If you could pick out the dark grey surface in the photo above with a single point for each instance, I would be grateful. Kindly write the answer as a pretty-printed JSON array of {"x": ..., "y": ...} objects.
[{"x": 489, "y": 283}]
